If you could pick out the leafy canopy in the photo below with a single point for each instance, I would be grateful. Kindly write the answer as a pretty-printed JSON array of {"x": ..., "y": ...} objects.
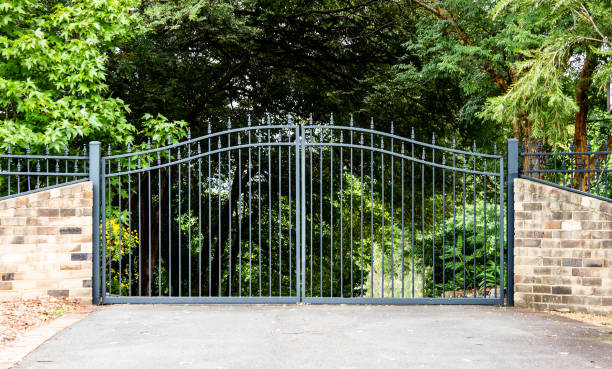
[
  {"x": 53, "y": 71},
  {"x": 549, "y": 73}
]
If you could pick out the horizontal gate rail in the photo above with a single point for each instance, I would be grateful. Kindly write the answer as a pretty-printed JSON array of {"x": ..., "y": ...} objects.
[{"x": 403, "y": 301}]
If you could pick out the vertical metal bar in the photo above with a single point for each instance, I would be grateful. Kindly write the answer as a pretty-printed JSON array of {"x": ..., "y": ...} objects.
[
  {"x": 495, "y": 217},
  {"x": 150, "y": 276},
  {"x": 484, "y": 261},
  {"x": 331, "y": 210},
  {"x": 65, "y": 165},
  {"x": 240, "y": 211},
  {"x": 351, "y": 218},
  {"x": 371, "y": 208},
  {"x": 94, "y": 177},
  {"x": 9, "y": 169},
  {"x": 110, "y": 234},
  {"x": 28, "y": 165},
  {"x": 382, "y": 228},
  {"x": 464, "y": 227},
  {"x": 219, "y": 217},
  {"x": 298, "y": 212},
  {"x": 392, "y": 212},
  {"x": 250, "y": 214},
  {"x": 443, "y": 225},
  {"x": 229, "y": 207},
  {"x": 129, "y": 221},
  {"x": 311, "y": 150},
  {"x": 200, "y": 220},
  {"x": 102, "y": 264},
  {"x": 474, "y": 261},
  {"x": 433, "y": 217},
  {"x": 423, "y": 219},
  {"x": 321, "y": 214},
  {"x": 361, "y": 164},
  {"x": 403, "y": 221},
  {"x": 412, "y": 208},
  {"x": 302, "y": 245},
  {"x": 170, "y": 219},
  {"x": 46, "y": 164},
  {"x": 120, "y": 239},
  {"x": 311, "y": 215},
  {"x": 290, "y": 185},
  {"x": 139, "y": 225},
  {"x": 188, "y": 213},
  {"x": 455, "y": 227},
  {"x": 341, "y": 216},
  {"x": 159, "y": 225},
  {"x": 259, "y": 206},
  {"x": 269, "y": 212},
  {"x": 280, "y": 225},
  {"x": 512, "y": 175}
]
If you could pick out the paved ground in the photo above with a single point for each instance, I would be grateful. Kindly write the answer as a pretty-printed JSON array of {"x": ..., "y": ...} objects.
[{"x": 166, "y": 337}]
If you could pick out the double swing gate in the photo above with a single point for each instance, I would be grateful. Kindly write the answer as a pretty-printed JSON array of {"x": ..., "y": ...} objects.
[{"x": 318, "y": 213}]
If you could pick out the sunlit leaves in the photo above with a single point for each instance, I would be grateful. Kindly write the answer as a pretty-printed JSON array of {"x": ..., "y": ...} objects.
[{"x": 52, "y": 71}]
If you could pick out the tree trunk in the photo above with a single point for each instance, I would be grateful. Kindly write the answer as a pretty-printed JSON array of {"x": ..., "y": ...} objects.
[{"x": 580, "y": 124}]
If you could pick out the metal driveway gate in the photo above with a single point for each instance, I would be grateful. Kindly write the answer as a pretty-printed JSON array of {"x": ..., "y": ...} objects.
[{"x": 282, "y": 213}]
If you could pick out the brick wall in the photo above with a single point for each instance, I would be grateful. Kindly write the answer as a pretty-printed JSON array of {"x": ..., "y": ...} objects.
[
  {"x": 563, "y": 249},
  {"x": 45, "y": 243}
]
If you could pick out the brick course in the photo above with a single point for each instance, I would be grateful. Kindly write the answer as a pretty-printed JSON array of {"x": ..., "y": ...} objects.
[
  {"x": 563, "y": 249},
  {"x": 45, "y": 243}
]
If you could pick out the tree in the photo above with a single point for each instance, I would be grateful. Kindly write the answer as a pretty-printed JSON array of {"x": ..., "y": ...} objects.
[
  {"x": 201, "y": 61},
  {"x": 53, "y": 71},
  {"x": 561, "y": 78}
]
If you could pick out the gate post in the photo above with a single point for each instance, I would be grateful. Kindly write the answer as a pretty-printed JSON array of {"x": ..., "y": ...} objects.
[
  {"x": 94, "y": 177},
  {"x": 513, "y": 159}
]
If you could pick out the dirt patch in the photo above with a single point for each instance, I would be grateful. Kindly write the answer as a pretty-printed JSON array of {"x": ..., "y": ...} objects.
[
  {"x": 594, "y": 319},
  {"x": 17, "y": 316}
]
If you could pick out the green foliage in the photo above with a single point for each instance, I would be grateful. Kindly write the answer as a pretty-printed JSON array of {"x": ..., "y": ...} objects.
[
  {"x": 53, "y": 72},
  {"x": 549, "y": 71},
  {"x": 466, "y": 260}
]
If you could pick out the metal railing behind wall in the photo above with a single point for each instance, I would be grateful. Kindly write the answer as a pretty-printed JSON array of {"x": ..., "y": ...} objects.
[
  {"x": 588, "y": 172},
  {"x": 23, "y": 172}
]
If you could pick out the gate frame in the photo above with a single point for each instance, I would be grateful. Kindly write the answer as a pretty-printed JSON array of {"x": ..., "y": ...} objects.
[{"x": 97, "y": 176}]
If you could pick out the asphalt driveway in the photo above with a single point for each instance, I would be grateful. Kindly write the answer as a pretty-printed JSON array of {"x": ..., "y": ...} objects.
[{"x": 302, "y": 336}]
